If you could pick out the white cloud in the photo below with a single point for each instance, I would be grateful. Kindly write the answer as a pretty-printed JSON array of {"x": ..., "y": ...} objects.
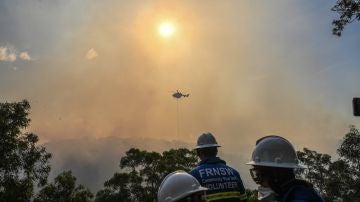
[
  {"x": 6, "y": 54},
  {"x": 91, "y": 54},
  {"x": 10, "y": 54},
  {"x": 25, "y": 56}
]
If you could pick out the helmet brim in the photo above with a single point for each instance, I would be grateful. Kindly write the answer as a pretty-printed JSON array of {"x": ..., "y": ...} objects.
[
  {"x": 276, "y": 165},
  {"x": 207, "y": 146}
]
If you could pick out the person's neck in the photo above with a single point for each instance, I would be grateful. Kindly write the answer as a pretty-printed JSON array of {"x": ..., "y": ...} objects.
[
  {"x": 206, "y": 157},
  {"x": 283, "y": 186}
]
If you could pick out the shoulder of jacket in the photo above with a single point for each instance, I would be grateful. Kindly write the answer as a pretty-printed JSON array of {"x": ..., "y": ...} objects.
[
  {"x": 197, "y": 168},
  {"x": 235, "y": 171},
  {"x": 302, "y": 193}
]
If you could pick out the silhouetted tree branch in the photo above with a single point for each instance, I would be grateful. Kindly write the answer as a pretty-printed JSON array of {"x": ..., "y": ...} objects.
[{"x": 349, "y": 11}]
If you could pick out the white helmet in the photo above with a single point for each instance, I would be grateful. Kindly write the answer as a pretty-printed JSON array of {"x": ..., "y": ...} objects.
[
  {"x": 206, "y": 140},
  {"x": 274, "y": 151},
  {"x": 178, "y": 185}
]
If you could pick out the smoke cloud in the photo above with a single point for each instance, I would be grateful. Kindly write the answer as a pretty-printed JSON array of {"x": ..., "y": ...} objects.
[
  {"x": 91, "y": 54},
  {"x": 252, "y": 68},
  {"x": 6, "y": 54}
]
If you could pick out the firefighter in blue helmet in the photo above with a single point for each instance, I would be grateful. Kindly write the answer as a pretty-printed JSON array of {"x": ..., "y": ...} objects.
[
  {"x": 274, "y": 160},
  {"x": 223, "y": 182}
]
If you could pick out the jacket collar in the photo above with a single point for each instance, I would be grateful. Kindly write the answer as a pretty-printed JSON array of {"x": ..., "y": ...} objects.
[{"x": 212, "y": 160}]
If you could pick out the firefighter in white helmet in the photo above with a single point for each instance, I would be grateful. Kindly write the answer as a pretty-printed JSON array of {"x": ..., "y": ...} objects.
[
  {"x": 179, "y": 186},
  {"x": 224, "y": 183},
  {"x": 274, "y": 160}
]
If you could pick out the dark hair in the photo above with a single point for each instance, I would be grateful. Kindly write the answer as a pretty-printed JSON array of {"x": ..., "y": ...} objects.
[{"x": 207, "y": 151}]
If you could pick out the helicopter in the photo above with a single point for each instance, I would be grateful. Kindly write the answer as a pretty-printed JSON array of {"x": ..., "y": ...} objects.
[{"x": 179, "y": 94}]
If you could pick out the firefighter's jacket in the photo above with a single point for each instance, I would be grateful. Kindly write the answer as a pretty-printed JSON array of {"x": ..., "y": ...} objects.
[
  {"x": 300, "y": 191},
  {"x": 223, "y": 182}
]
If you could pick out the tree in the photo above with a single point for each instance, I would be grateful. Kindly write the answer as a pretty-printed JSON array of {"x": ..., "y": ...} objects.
[
  {"x": 336, "y": 180},
  {"x": 349, "y": 11},
  {"x": 318, "y": 168},
  {"x": 64, "y": 189},
  {"x": 252, "y": 195},
  {"x": 22, "y": 162},
  {"x": 349, "y": 152},
  {"x": 142, "y": 174}
]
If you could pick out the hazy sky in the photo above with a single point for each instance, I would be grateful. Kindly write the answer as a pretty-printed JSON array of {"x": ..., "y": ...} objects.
[{"x": 100, "y": 68}]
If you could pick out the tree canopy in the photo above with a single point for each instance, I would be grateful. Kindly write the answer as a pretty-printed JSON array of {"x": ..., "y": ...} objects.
[
  {"x": 336, "y": 180},
  {"x": 142, "y": 173},
  {"x": 22, "y": 162},
  {"x": 349, "y": 11},
  {"x": 64, "y": 189}
]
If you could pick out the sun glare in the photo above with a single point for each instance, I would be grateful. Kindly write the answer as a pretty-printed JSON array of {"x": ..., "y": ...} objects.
[{"x": 166, "y": 29}]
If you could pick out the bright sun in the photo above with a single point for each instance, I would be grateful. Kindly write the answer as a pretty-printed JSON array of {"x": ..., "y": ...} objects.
[{"x": 166, "y": 29}]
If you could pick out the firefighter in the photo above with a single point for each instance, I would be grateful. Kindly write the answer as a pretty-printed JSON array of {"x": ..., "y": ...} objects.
[
  {"x": 179, "y": 186},
  {"x": 274, "y": 160},
  {"x": 223, "y": 182}
]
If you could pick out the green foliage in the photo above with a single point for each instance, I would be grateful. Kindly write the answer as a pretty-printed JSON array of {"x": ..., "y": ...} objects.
[
  {"x": 348, "y": 10},
  {"x": 22, "y": 162},
  {"x": 349, "y": 152},
  {"x": 143, "y": 173},
  {"x": 349, "y": 149},
  {"x": 252, "y": 195},
  {"x": 64, "y": 189},
  {"x": 318, "y": 168},
  {"x": 336, "y": 180}
]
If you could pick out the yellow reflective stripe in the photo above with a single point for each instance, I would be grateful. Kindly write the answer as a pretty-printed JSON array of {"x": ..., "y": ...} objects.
[{"x": 226, "y": 195}]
